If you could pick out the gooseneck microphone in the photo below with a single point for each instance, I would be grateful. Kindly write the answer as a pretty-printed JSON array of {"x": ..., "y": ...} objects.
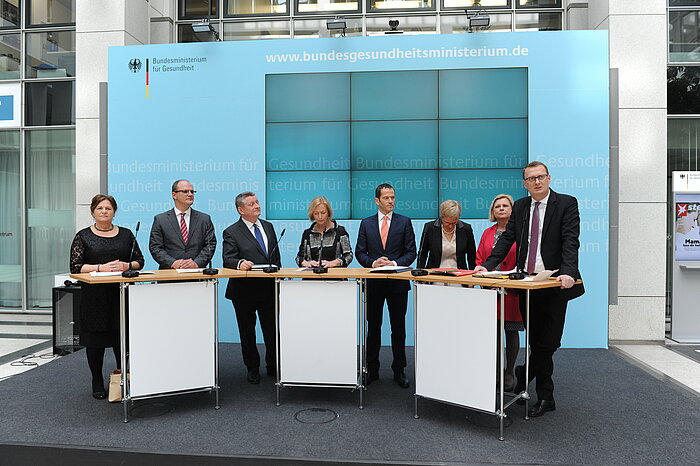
[
  {"x": 272, "y": 268},
  {"x": 520, "y": 274},
  {"x": 132, "y": 273},
  {"x": 320, "y": 268},
  {"x": 210, "y": 270},
  {"x": 421, "y": 272}
]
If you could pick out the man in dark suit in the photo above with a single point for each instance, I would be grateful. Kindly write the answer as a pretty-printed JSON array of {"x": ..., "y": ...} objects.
[
  {"x": 547, "y": 225},
  {"x": 386, "y": 238},
  {"x": 182, "y": 238},
  {"x": 247, "y": 242}
]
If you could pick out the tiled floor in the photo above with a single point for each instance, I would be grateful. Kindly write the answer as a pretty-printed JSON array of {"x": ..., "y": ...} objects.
[{"x": 25, "y": 342}]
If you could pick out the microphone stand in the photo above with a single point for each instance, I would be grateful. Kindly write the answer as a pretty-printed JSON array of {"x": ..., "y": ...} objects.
[
  {"x": 421, "y": 272},
  {"x": 132, "y": 273},
  {"x": 209, "y": 270},
  {"x": 272, "y": 268},
  {"x": 320, "y": 269}
]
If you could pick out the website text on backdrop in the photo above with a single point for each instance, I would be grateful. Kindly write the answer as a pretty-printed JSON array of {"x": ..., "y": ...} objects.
[
  {"x": 447, "y": 242},
  {"x": 248, "y": 242},
  {"x": 102, "y": 247},
  {"x": 324, "y": 243},
  {"x": 386, "y": 238},
  {"x": 500, "y": 212},
  {"x": 548, "y": 224},
  {"x": 182, "y": 238}
]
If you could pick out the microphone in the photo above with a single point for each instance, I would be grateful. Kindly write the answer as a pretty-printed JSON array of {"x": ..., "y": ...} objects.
[
  {"x": 209, "y": 270},
  {"x": 320, "y": 268},
  {"x": 520, "y": 274},
  {"x": 272, "y": 268},
  {"x": 132, "y": 273},
  {"x": 421, "y": 272}
]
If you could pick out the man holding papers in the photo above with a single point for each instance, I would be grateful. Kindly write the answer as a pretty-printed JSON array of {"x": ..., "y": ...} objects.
[
  {"x": 182, "y": 238},
  {"x": 248, "y": 242},
  {"x": 386, "y": 239},
  {"x": 546, "y": 227}
]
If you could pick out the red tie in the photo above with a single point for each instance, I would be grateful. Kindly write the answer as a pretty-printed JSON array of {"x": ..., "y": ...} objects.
[
  {"x": 183, "y": 228},
  {"x": 384, "y": 233}
]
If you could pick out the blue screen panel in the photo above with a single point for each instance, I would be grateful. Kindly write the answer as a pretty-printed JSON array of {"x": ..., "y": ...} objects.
[
  {"x": 475, "y": 189},
  {"x": 483, "y": 143},
  {"x": 307, "y": 97},
  {"x": 416, "y": 192},
  {"x": 289, "y": 193},
  {"x": 394, "y": 95},
  {"x": 307, "y": 146},
  {"x": 393, "y": 145},
  {"x": 486, "y": 93}
]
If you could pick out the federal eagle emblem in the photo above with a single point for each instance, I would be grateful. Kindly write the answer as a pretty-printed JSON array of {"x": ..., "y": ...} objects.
[{"x": 134, "y": 65}]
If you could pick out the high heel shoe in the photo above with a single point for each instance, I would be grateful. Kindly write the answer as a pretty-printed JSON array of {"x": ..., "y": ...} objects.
[{"x": 98, "y": 390}]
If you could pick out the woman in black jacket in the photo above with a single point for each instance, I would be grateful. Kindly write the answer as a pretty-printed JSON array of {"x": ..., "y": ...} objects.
[{"x": 447, "y": 242}]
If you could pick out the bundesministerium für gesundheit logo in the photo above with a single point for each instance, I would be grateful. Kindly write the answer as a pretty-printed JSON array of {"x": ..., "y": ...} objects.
[{"x": 134, "y": 65}]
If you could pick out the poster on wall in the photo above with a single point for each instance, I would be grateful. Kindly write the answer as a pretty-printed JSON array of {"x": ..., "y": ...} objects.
[{"x": 687, "y": 229}]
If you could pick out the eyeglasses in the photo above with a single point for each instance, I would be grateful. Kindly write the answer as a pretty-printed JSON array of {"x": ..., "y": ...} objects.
[
  {"x": 532, "y": 179},
  {"x": 185, "y": 191}
]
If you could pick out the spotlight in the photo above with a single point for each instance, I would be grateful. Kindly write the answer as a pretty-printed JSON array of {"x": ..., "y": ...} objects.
[
  {"x": 393, "y": 27},
  {"x": 203, "y": 29},
  {"x": 477, "y": 20},
  {"x": 336, "y": 23}
]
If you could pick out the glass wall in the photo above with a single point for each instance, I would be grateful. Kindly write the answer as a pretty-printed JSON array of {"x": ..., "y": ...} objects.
[
  {"x": 10, "y": 225},
  {"x": 276, "y": 19},
  {"x": 37, "y": 148}
]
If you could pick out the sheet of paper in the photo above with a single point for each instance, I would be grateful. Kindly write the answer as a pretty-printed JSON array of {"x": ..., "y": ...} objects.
[
  {"x": 391, "y": 268},
  {"x": 544, "y": 275},
  {"x": 495, "y": 273},
  {"x": 188, "y": 270},
  {"x": 260, "y": 266},
  {"x": 105, "y": 274}
]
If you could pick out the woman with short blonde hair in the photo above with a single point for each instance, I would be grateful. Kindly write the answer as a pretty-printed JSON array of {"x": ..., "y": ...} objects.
[
  {"x": 447, "y": 242},
  {"x": 324, "y": 243}
]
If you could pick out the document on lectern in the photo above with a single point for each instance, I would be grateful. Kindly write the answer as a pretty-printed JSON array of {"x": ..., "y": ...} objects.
[{"x": 390, "y": 269}]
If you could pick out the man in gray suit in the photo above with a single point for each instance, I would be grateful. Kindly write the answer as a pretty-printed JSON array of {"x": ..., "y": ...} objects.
[{"x": 182, "y": 238}]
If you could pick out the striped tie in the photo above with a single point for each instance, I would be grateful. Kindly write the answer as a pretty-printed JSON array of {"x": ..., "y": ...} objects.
[{"x": 183, "y": 229}]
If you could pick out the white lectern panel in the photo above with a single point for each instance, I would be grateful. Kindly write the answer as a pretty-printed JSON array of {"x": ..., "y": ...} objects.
[
  {"x": 171, "y": 337},
  {"x": 456, "y": 345},
  {"x": 318, "y": 332}
]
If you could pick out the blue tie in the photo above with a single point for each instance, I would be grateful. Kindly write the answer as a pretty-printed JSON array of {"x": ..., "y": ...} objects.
[{"x": 258, "y": 236}]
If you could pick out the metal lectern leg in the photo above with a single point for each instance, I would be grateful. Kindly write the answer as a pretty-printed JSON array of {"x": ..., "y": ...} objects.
[
  {"x": 215, "y": 281},
  {"x": 501, "y": 358},
  {"x": 526, "y": 395},
  {"x": 124, "y": 349},
  {"x": 277, "y": 338},
  {"x": 415, "y": 347}
]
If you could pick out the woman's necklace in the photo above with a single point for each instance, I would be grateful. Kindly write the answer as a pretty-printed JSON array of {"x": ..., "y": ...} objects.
[{"x": 107, "y": 229}]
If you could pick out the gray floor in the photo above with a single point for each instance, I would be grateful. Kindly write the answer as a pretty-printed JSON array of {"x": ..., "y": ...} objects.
[{"x": 609, "y": 411}]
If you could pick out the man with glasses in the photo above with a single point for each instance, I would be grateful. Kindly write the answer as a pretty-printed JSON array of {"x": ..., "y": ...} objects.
[
  {"x": 546, "y": 227},
  {"x": 182, "y": 238}
]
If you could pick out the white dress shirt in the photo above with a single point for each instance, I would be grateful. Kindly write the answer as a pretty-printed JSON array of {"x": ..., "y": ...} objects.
[
  {"x": 539, "y": 265},
  {"x": 448, "y": 259},
  {"x": 188, "y": 214}
]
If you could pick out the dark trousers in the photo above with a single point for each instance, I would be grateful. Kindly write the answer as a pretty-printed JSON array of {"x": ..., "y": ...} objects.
[
  {"x": 396, "y": 301},
  {"x": 246, "y": 318},
  {"x": 547, "y": 314}
]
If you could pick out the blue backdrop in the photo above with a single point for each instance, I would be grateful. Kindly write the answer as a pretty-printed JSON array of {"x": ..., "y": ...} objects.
[{"x": 291, "y": 119}]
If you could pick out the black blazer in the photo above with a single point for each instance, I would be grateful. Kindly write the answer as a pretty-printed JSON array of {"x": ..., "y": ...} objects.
[
  {"x": 240, "y": 244},
  {"x": 166, "y": 244},
  {"x": 560, "y": 233},
  {"x": 400, "y": 245},
  {"x": 430, "y": 253}
]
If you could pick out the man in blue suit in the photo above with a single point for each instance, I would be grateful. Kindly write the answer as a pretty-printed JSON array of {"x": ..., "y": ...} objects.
[{"x": 386, "y": 239}]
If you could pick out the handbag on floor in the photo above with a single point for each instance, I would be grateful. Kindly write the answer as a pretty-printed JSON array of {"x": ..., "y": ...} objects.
[{"x": 115, "y": 387}]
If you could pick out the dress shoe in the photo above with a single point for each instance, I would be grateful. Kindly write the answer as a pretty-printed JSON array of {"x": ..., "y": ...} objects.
[
  {"x": 253, "y": 376},
  {"x": 401, "y": 379},
  {"x": 370, "y": 377},
  {"x": 541, "y": 407},
  {"x": 98, "y": 390}
]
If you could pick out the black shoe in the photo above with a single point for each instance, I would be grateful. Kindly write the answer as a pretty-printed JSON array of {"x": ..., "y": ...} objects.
[
  {"x": 98, "y": 390},
  {"x": 401, "y": 379},
  {"x": 370, "y": 377},
  {"x": 541, "y": 407},
  {"x": 272, "y": 371},
  {"x": 253, "y": 376}
]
